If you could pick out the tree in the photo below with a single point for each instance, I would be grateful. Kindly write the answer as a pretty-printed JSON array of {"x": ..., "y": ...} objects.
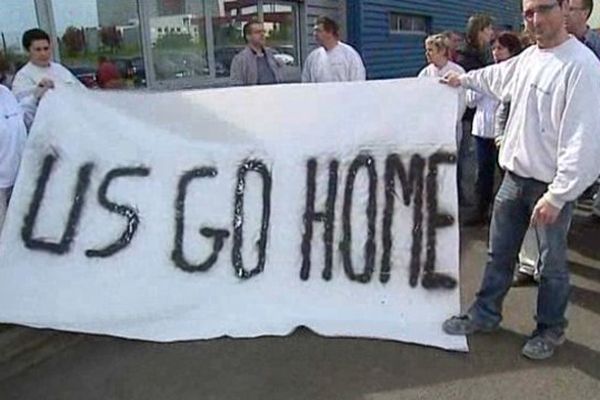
[
  {"x": 111, "y": 37},
  {"x": 73, "y": 40}
]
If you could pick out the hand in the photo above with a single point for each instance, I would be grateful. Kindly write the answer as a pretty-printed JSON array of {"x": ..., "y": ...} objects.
[
  {"x": 451, "y": 79},
  {"x": 498, "y": 141},
  {"x": 544, "y": 213},
  {"x": 43, "y": 86}
]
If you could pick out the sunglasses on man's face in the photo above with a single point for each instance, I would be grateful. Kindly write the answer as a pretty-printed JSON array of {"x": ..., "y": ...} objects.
[{"x": 541, "y": 10}]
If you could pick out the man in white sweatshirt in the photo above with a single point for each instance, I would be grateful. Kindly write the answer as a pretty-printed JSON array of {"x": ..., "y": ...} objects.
[
  {"x": 550, "y": 157},
  {"x": 333, "y": 61},
  {"x": 40, "y": 66}
]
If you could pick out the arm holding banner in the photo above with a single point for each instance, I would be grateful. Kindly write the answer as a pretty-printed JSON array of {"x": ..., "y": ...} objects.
[
  {"x": 492, "y": 80},
  {"x": 29, "y": 103}
]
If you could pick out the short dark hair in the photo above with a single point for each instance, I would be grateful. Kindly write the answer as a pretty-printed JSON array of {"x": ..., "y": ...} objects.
[
  {"x": 476, "y": 24},
  {"x": 248, "y": 27},
  {"x": 511, "y": 41},
  {"x": 32, "y": 35},
  {"x": 588, "y": 5},
  {"x": 329, "y": 25}
]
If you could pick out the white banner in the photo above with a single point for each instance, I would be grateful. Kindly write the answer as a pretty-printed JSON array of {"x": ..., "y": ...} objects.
[{"x": 239, "y": 212}]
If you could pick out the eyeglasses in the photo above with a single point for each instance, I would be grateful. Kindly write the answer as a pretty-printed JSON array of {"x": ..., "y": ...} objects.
[
  {"x": 572, "y": 9},
  {"x": 541, "y": 9}
]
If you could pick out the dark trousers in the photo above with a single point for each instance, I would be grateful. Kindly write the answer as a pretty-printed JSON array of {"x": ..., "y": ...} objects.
[{"x": 487, "y": 159}]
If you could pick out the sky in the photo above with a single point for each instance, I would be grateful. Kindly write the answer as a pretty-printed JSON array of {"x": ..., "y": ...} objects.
[{"x": 19, "y": 15}]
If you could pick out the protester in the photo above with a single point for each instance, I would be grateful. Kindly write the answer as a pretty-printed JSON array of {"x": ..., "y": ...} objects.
[
  {"x": 473, "y": 54},
  {"x": 108, "y": 75},
  {"x": 505, "y": 46},
  {"x": 334, "y": 60},
  {"x": 456, "y": 40},
  {"x": 15, "y": 118},
  {"x": 529, "y": 258},
  {"x": 256, "y": 64},
  {"x": 437, "y": 50},
  {"x": 550, "y": 154},
  {"x": 580, "y": 12},
  {"x": 40, "y": 66}
]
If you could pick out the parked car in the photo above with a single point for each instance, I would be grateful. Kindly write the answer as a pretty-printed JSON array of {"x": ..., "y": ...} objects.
[
  {"x": 86, "y": 75},
  {"x": 132, "y": 69},
  {"x": 285, "y": 59}
]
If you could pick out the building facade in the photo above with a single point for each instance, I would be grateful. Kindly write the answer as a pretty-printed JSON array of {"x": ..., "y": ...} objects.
[
  {"x": 390, "y": 33},
  {"x": 174, "y": 44}
]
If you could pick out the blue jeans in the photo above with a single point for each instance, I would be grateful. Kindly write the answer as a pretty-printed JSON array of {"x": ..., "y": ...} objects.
[{"x": 513, "y": 207}]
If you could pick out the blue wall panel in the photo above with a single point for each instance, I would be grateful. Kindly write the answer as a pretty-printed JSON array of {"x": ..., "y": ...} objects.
[{"x": 390, "y": 55}]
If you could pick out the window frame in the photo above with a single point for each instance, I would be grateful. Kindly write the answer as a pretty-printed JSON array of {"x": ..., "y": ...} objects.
[
  {"x": 426, "y": 19},
  {"x": 46, "y": 21}
]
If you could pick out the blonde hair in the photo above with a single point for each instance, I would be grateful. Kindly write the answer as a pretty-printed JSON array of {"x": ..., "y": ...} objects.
[{"x": 440, "y": 42}]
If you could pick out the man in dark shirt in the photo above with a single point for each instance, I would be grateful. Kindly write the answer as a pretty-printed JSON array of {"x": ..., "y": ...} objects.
[
  {"x": 256, "y": 64},
  {"x": 579, "y": 13}
]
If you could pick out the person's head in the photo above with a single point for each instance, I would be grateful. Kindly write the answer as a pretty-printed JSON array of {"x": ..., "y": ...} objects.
[
  {"x": 37, "y": 44},
  {"x": 480, "y": 30},
  {"x": 326, "y": 31},
  {"x": 437, "y": 48},
  {"x": 579, "y": 13},
  {"x": 527, "y": 38},
  {"x": 505, "y": 46},
  {"x": 254, "y": 34},
  {"x": 545, "y": 19},
  {"x": 455, "y": 39}
]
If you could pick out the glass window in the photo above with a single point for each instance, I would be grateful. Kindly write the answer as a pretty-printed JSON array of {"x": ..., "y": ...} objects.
[
  {"x": 16, "y": 16},
  {"x": 404, "y": 23},
  {"x": 179, "y": 51},
  {"x": 280, "y": 27},
  {"x": 281, "y": 30},
  {"x": 99, "y": 41},
  {"x": 280, "y": 20},
  {"x": 228, "y": 19}
]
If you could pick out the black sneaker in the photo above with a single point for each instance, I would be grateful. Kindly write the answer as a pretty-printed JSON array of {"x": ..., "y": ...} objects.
[{"x": 522, "y": 279}]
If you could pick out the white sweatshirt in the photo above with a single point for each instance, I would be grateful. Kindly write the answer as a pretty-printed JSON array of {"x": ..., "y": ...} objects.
[
  {"x": 13, "y": 135},
  {"x": 553, "y": 130},
  {"x": 340, "y": 64},
  {"x": 28, "y": 77},
  {"x": 484, "y": 125},
  {"x": 434, "y": 72}
]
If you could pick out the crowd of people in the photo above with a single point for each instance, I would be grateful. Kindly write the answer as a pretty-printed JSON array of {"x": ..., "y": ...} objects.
[{"x": 529, "y": 101}]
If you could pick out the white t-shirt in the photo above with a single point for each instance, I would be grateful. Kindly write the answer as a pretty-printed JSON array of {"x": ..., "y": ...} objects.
[
  {"x": 434, "y": 72},
  {"x": 28, "y": 77},
  {"x": 340, "y": 64},
  {"x": 484, "y": 121},
  {"x": 552, "y": 133},
  {"x": 13, "y": 135}
]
